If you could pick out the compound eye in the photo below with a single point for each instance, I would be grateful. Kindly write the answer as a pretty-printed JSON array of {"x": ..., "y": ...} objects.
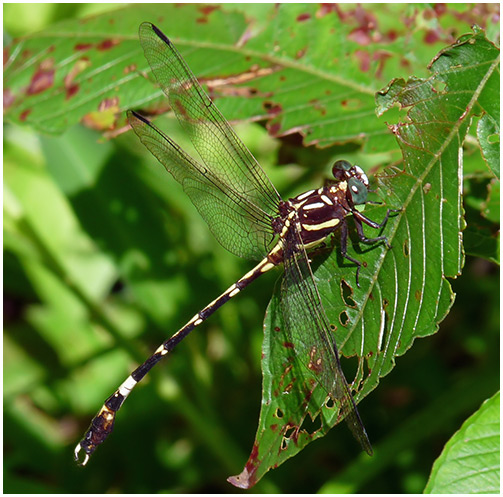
[
  {"x": 358, "y": 191},
  {"x": 340, "y": 169}
]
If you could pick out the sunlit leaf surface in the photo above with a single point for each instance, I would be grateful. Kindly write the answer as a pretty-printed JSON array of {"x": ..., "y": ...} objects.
[
  {"x": 470, "y": 462},
  {"x": 404, "y": 292}
]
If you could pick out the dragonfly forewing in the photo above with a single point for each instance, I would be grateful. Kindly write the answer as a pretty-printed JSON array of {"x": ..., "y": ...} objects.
[{"x": 216, "y": 142}]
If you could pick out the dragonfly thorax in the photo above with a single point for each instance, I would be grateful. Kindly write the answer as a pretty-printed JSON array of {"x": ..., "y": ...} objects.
[{"x": 318, "y": 213}]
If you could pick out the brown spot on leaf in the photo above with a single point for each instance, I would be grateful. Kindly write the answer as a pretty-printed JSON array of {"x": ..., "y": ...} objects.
[
  {"x": 8, "y": 98},
  {"x": 364, "y": 57},
  {"x": 326, "y": 8},
  {"x": 254, "y": 72},
  {"x": 318, "y": 106},
  {"x": 431, "y": 37},
  {"x": 106, "y": 116},
  {"x": 303, "y": 17},
  {"x": 109, "y": 103},
  {"x": 288, "y": 345},
  {"x": 43, "y": 78},
  {"x": 25, "y": 54},
  {"x": 72, "y": 90},
  {"x": 361, "y": 36},
  {"x": 274, "y": 129},
  {"x": 300, "y": 53},
  {"x": 107, "y": 44},
  {"x": 391, "y": 35},
  {"x": 440, "y": 9},
  {"x": 69, "y": 81},
  {"x": 130, "y": 68},
  {"x": 381, "y": 56},
  {"x": 81, "y": 47},
  {"x": 24, "y": 114},
  {"x": 206, "y": 10},
  {"x": 247, "y": 478},
  {"x": 288, "y": 388}
]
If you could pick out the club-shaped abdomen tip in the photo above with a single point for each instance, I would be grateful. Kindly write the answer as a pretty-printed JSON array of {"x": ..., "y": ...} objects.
[{"x": 78, "y": 448}]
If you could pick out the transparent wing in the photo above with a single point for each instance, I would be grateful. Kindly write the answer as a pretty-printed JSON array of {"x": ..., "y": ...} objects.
[
  {"x": 219, "y": 147},
  {"x": 309, "y": 330},
  {"x": 234, "y": 219}
]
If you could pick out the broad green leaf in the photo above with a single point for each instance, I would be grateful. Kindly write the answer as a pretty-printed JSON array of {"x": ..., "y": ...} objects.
[
  {"x": 404, "y": 290},
  {"x": 470, "y": 461},
  {"x": 488, "y": 131},
  {"x": 279, "y": 70}
]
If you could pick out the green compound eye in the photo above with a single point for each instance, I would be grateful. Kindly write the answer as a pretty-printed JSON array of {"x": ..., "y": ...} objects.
[
  {"x": 341, "y": 170},
  {"x": 358, "y": 191},
  {"x": 341, "y": 165}
]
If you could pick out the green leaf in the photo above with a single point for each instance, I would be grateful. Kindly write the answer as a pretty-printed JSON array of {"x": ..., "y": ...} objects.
[
  {"x": 470, "y": 461},
  {"x": 488, "y": 131},
  {"x": 93, "y": 71},
  {"x": 404, "y": 292}
]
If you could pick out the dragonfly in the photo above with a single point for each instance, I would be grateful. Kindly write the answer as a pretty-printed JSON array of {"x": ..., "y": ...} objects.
[{"x": 249, "y": 218}]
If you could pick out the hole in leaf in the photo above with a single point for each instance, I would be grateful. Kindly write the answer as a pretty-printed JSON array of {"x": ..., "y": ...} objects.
[
  {"x": 310, "y": 425},
  {"x": 290, "y": 430},
  {"x": 350, "y": 367},
  {"x": 365, "y": 368},
  {"x": 406, "y": 248},
  {"x": 344, "y": 318},
  {"x": 279, "y": 413},
  {"x": 347, "y": 292}
]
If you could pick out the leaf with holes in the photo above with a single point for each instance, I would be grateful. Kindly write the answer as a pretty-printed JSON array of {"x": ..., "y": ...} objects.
[
  {"x": 92, "y": 71},
  {"x": 404, "y": 292}
]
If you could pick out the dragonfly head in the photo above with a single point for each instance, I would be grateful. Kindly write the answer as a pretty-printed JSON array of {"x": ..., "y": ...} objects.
[{"x": 356, "y": 179}]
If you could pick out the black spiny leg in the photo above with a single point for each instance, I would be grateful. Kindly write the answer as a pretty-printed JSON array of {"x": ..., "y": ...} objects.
[
  {"x": 359, "y": 218},
  {"x": 344, "y": 249}
]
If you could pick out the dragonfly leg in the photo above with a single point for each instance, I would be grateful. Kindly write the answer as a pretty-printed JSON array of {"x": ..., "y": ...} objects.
[
  {"x": 344, "y": 248},
  {"x": 359, "y": 218}
]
